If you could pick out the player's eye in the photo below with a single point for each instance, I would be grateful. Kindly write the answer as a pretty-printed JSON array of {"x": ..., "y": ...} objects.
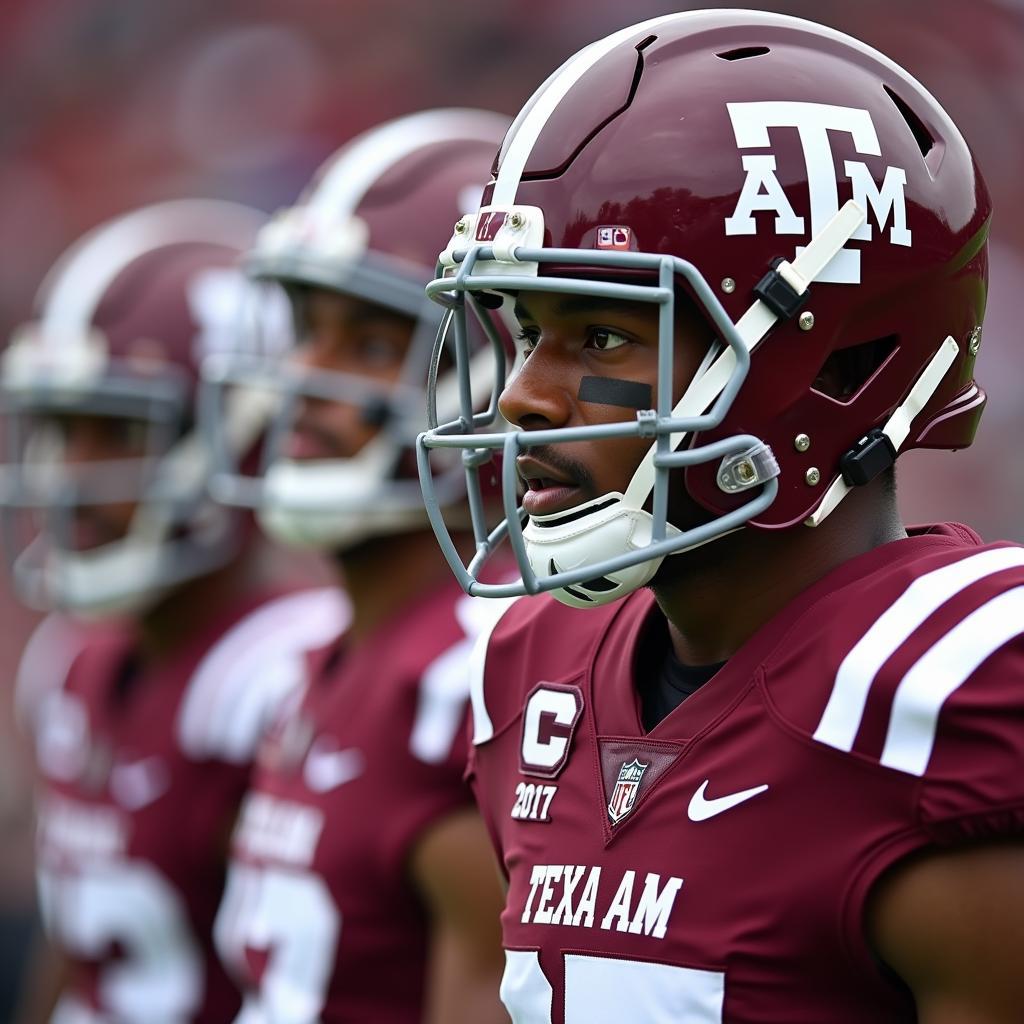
[
  {"x": 527, "y": 339},
  {"x": 380, "y": 350},
  {"x": 604, "y": 339}
]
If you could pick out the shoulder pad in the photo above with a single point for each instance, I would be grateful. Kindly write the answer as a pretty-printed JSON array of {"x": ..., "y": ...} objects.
[{"x": 251, "y": 668}]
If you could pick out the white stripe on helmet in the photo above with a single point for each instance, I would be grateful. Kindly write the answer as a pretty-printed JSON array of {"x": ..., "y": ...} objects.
[{"x": 72, "y": 291}]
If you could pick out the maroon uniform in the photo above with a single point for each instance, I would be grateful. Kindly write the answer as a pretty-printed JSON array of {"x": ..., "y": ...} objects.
[
  {"x": 321, "y": 920},
  {"x": 716, "y": 868},
  {"x": 141, "y": 775}
]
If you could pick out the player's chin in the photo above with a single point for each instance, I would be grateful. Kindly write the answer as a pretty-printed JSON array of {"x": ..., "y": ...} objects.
[{"x": 89, "y": 533}]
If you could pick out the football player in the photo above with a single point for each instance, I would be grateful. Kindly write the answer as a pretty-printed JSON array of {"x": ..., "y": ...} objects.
[
  {"x": 146, "y": 692},
  {"x": 363, "y": 885},
  {"x": 756, "y": 755}
]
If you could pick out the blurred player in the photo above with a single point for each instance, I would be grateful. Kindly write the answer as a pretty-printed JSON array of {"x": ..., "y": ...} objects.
[
  {"x": 146, "y": 695},
  {"x": 363, "y": 886},
  {"x": 748, "y": 259}
]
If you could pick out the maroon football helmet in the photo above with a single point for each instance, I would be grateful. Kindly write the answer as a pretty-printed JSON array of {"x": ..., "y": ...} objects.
[
  {"x": 366, "y": 227},
  {"x": 824, "y": 215},
  {"x": 122, "y": 323}
]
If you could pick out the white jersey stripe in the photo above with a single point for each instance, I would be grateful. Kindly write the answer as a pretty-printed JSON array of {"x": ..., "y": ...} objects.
[
  {"x": 942, "y": 670},
  {"x": 527, "y": 127},
  {"x": 489, "y": 612},
  {"x": 243, "y": 678},
  {"x": 842, "y": 716},
  {"x": 359, "y": 166}
]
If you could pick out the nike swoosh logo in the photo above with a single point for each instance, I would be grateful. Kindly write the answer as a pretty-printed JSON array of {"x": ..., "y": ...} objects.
[
  {"x": 701, "y": 808},
  {"x": 326, "y": 769}
]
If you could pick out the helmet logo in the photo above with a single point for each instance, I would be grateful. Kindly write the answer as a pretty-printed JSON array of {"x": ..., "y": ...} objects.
[
  {"x": 813, "y": 122},
  {"x": 613, "y": 237}
]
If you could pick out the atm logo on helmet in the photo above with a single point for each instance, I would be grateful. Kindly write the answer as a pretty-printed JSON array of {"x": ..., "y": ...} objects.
[{"x": 762, "y": 192}]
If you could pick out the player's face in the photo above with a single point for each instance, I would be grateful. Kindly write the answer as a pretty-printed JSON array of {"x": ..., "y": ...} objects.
[
  {"x": 87, "y": 448},
  {"x": 344, "y": 335},
  {"x": 569, "y": 340}
]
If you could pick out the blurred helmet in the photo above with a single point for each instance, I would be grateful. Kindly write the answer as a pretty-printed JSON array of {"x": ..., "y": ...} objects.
[
  {"x": 818, "y": 208},
  {"x": 122, "y": 322},
  {"x": 366, "y": 227}
]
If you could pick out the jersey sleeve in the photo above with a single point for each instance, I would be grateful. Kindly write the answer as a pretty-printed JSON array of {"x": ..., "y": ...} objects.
[
  {"x": 243, "y": 679},
  {"x": 958, "y": 722},
  {"x": 439, "y": 737}
]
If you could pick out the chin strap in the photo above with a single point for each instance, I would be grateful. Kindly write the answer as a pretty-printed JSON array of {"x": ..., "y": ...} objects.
[
  {"x": 752, "y": 327},
  {"x": 897, "y": 426}
]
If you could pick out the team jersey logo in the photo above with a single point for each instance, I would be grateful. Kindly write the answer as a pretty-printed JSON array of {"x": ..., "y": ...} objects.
[
  {"x": 549, "y": 721},
  {"x": 625, "y": 789},
  {"x": 762, "y": 190}
]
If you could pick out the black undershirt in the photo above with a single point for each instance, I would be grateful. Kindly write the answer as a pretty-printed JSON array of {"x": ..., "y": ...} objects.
[{"x": 663, "y": 691}]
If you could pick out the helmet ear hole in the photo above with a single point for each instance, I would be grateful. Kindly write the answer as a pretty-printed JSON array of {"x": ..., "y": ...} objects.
[{"x": 846, "y": 372}]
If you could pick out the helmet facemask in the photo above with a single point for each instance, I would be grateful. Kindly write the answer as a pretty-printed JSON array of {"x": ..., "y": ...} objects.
[
  {"x": 174, "y": 532},
  {"x": 784, "y": 160},
  {"x": 363, "y": 233},
  {"x": 601, "y": 550},
  {"x": 332, "y": 503},
  {"x": 121, "y": 322}
]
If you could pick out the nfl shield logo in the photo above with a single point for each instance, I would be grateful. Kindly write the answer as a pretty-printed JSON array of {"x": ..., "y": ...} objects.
[{"x": 624, "y": 793}]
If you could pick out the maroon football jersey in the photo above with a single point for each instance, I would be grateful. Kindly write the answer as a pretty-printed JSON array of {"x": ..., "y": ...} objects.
[
  {"x": 141, "y": 777},
  {"x": 321, "y": 920},
  {"x": 716, "y": 868}
]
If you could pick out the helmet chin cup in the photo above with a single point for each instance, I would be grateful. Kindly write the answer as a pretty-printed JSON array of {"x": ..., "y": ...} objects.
[
  {"x": 569, "y": 541},
  {"x": 123, "y": 578},
  {"x": 334, "y": 504}
]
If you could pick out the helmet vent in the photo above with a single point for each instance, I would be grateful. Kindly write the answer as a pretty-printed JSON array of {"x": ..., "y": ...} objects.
[
  {"x": 924, "y": 139},
  {"x": 847, "y": 371},
  {"x": 744, "y": 52}
]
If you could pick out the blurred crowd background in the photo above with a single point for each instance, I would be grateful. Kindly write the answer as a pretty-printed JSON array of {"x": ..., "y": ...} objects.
[{"x": 109, "y": 104}]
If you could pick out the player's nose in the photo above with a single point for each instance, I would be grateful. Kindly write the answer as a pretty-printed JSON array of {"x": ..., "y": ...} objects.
[{"x": 538, "y": 396}]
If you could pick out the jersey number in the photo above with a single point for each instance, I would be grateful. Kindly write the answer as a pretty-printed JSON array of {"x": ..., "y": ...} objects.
[
  {"x": 131, "y": 905},
  {"x": 602, "y": 988},
  {"x": 289, "y": 915}
]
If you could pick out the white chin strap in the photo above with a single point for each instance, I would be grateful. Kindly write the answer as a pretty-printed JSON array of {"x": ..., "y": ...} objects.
[
  {"x": 617, "y": 523},
  {"x": 334, "y": 504}
]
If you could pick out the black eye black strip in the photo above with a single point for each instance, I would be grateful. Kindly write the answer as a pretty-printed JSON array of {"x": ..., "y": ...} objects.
[{"x": 628, "y": 394}]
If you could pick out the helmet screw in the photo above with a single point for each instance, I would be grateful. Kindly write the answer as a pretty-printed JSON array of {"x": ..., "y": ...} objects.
[
  {"x": 728, "y": 285},
  {"x": 806, "y": 320},
  {"x": 813, "y": 476},
  {"x": 516, "y": 221},
  {"x": 745, "y": 471},
  {"x": 461, "y": 226},
  {"x": 801, "y": 442},
  {"x": 974, "y": 341}
]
